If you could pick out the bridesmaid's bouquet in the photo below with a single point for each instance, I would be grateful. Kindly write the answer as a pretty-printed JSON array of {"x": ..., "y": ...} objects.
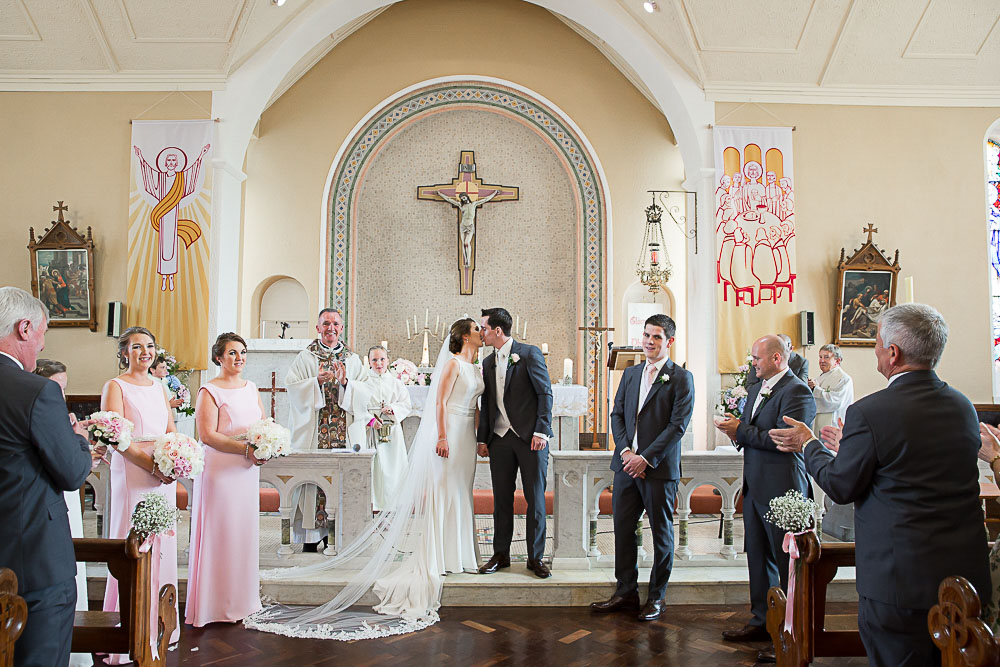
[
  {"x": 269, "y": 439},
  {"x": 112, "y": 430},
  {"x": 153, "y": 516},
  {"x": 177, "y": 455}
]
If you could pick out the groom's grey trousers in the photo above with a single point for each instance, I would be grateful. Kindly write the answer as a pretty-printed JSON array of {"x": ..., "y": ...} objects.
[{"x": 508, "y": 453}]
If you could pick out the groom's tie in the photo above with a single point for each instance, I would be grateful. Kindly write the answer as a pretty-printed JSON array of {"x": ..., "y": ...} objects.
[{"x": 648, "y": 375}]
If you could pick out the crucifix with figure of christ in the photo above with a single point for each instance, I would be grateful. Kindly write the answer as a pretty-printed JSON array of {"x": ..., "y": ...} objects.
[{"x": 467, "y": 193}]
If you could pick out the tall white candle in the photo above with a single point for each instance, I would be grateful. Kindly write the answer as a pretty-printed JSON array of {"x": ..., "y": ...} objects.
[
  {"x": 385, "y": 344},
  {"x": 524, "y": 331},
  {"x": 427, "y": 314},
  {"x": 568, "y": 369},
  {"x": 545, "y": 348},
  {"x": 407, "y": 328},
  {"x": 437, "y": 322},
  {"x": 517, "y": 324},
  {"x": 908, "y": 288}
]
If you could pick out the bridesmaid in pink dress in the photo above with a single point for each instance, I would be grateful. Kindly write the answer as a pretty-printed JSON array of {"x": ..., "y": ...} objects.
[
  {"x": 225, "y": 523},
  {"x": 143, "y": 401}
]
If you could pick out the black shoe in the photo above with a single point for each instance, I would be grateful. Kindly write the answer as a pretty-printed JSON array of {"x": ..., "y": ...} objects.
[
  {"x": 310, "y": 547},
  {"x": 496, "y": 562},
  {"x": 748, "y": 633},
  {"x": 766, "y": 655},
  {"x": 617, "y": 602},
  {"x": 653, "y": 610},
  {"x": 540, "y": 569}
]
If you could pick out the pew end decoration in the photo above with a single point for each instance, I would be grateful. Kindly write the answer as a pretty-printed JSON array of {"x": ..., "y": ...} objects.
[
  {"x": 13, "y": 615},
  {"x": 792, "y": 512},
  {"x": 111, "y": 430},
  {"x": 269, "y": 439},
  {"x": 177, "y": 455},
  {"x": 153, "y": 515},
  {"x": 956, "y": 628}
]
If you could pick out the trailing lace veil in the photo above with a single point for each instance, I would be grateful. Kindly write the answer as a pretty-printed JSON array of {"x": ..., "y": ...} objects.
[{"x": 396, "y": 556}]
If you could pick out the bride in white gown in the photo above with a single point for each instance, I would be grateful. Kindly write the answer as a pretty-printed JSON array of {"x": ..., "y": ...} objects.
[{"x": 426, "y": 533}]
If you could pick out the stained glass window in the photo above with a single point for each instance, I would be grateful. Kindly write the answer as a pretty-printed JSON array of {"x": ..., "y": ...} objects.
[{"x": 993, "y": 196}]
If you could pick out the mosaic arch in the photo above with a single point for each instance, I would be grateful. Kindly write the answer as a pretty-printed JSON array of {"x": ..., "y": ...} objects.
[{"x": 405, "y": 109}]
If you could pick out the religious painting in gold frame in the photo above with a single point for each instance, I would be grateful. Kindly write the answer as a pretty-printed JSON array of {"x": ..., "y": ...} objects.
[
  {"x": 866, "y": 288},
  {"x": 62, "y": 273}
]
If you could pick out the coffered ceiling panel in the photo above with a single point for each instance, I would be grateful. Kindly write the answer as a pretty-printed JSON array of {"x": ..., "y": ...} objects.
[
  {"x": 953, "y": 29},
  {"x": 67, "y": 43},
  {"x": 739, "y": 26},
  {"x": 15, "y": 22},
  {"x": 181, "y": 20}
]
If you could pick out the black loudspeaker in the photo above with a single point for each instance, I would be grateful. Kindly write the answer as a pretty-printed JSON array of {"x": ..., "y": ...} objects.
[
  {"x": 807, "y": 331},
  {"x": 116, "y": 313}
]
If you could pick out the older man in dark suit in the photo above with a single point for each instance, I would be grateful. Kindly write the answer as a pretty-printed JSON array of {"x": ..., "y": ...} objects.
[
  {"x": 652, "y": 410},
  {"x": 40, "y": 457},
  {"x": 907, "y": 460},
  {"x": 767, "y": 474}
]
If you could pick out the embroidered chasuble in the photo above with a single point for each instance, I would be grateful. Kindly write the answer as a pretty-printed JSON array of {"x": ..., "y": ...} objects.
[{"x": 332, "y": 419}]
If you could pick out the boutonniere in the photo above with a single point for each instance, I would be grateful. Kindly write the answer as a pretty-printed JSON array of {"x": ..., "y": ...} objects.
[
  {"x": 664, "y": 379},
  {"x": 513, "y": 359},
  {"x": 765, "y": 393}
]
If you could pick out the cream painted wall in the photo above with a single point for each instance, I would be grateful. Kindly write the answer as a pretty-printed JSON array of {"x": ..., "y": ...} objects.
[
  {"x": 300, "y": 134},
  {"x": 76, "y": 147},
  {"x": 917, "y": 175}
]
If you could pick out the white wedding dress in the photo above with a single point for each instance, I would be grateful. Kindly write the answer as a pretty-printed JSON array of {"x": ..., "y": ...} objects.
[{"x": 403, "y": 556}]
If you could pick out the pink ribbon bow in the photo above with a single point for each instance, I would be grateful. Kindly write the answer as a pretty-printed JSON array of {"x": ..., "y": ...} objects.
[{"x": 791, "y": 547}]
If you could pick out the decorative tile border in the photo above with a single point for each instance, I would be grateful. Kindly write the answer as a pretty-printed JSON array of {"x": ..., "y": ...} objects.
[{"x": 526, "y": 109}]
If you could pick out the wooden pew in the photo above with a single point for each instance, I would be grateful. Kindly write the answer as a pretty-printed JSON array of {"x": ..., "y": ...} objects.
[
  {"x": 814, "y": 570},
  {"x": 957, "y": 630},
  {"x": 126, "y": 631},
  {"x": 13, "y": 614}
]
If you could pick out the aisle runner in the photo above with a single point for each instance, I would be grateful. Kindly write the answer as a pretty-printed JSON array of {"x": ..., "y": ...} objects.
[
  {"x": 755, "y": 238},
  {"x": 170, "y": 205}
]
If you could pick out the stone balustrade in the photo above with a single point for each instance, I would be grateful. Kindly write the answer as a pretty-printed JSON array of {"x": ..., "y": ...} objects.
[{"x": 580, "y": 477}]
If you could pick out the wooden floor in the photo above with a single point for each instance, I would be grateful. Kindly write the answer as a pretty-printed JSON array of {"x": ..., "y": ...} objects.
[{"x": 470, "y": 636}]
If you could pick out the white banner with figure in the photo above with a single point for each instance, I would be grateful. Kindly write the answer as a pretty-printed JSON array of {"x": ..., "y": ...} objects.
[
  {"x": 170, "y": 206},
  {"x": 755, "y": 237}
]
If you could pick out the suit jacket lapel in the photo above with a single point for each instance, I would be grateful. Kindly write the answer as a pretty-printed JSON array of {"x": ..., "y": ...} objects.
[
  {"x": 656, "y": 382},
  {"x": 785, "y": 379}
]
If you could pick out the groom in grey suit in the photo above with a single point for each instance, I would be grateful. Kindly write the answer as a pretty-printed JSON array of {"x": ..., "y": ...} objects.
[
  {"x": 767, "y": 474},
  {"x": 515, "y": 424}
]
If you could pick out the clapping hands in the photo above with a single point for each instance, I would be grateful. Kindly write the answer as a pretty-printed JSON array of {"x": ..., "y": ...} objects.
[{"x": 989, "y": 444}]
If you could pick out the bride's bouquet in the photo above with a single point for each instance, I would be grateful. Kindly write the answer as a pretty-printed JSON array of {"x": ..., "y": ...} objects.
[
  {"x": 269, "y": 439},
  {"x": 111, "y": 429},
  {"x": 177, "y": 455}
]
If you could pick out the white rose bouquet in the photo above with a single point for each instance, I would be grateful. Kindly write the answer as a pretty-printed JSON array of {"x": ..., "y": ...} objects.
[
  {"x": 112, "y": 430},
  {"x": 268, "y": 439},
  {"x": 177, "y": 455}
]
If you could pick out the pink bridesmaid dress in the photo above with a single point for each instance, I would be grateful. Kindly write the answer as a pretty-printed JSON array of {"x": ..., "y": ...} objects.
[
  {"x": 146, "y": 408},
  {"x": 225, "y": 522}
]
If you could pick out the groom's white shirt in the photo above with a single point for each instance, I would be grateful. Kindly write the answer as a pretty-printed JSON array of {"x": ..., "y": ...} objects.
[{"x": 502, "y": 424}]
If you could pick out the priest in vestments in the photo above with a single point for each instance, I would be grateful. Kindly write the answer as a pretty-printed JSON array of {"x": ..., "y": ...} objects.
[
  {"x": 386, "y": 400},
  {"x": 833, "y": 389},
  {"x": 319, "y": 415}
]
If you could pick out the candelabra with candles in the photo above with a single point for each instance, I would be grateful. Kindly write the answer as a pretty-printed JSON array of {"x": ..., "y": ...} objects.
[{"x": 437, "y": 332}]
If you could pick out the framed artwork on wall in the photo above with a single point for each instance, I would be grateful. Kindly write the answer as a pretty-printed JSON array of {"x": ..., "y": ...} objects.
[
  {"x": 62, "y": 273},
  {"x": 866, "y": 288}
]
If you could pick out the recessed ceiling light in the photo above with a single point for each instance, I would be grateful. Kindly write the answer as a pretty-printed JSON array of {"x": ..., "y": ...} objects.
[
  {"x": 649, "y": 6},
  {"x": 277, "y": 3}
]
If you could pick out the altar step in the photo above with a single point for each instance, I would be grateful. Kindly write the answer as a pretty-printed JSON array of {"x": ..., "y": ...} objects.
[{"x": 517, "y": 587}]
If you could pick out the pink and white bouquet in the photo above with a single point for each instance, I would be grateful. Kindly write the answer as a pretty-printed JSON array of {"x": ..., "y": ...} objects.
[
  {"x": 406, "y": 371},
  {"x": 269, "y": 439},
  {"x": 177, "y": 455},
  {"x": 111, "y": 429}
]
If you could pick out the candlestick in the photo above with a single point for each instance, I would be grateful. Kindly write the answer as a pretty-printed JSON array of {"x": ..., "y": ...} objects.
[
  {"x": 437, "y": 322},
  {"x": 414, "y": 323},
  {"x": 908, "y": 289},
  {"x": 517, "y": 324},
  {"x": 545, "y": 348},
  {"x": 425, "y": 359},
  {"x": 568, "y": 369}
]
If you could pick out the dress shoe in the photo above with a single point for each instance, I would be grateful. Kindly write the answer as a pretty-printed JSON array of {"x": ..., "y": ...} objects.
[
  {"x": 748, "y": 633},
  {"x": 766, "y": 655},
  {"x": 617, "y": 602},
  {"x": 540, "y": 569},
  {"x": 653, "y": 610},
  {"x": 496, "y": 562}
]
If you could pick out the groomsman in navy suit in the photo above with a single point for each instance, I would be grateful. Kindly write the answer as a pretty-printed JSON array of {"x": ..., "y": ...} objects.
[{"x": 652, "y": 410}]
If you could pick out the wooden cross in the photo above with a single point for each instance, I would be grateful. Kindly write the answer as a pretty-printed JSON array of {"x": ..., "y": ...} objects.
[
  {"x": 273, "y": 391},
  {"x": 871, "y": 230},
  {"x": 597, "y": 333},
  {"x": 60, "y": 208},
  {"x": 467, "y": 182}
]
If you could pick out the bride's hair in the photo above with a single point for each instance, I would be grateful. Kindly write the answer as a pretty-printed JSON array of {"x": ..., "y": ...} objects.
[{"x": 459, "y": 329}]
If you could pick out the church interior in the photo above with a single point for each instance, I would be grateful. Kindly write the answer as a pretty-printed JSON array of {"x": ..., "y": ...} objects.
[{"x": 589, "y": 138}]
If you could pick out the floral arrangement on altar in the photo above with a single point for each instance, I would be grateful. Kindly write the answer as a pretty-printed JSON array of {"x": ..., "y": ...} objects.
[
  {"x": 112, "y": 430},
  {"x": 792, "y": 512},
  {"x": 734, "y": 399},
  {"x": 269, "y": 439},
  {"x": 407, "y": 372},
  {"x": 174, "y": 382},
  {"x": 177, "y": 455},
  {"x": 153, "y": 515}
]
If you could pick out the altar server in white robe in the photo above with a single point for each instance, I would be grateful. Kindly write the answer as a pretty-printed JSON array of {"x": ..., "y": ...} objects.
[
  {"x": 833, "y": 389},
  {"x": 319, "y": 414},
  {"x": 387, "y": 400}
]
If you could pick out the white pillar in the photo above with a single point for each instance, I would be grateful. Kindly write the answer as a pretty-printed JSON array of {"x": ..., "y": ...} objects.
[{"x": 224, "y": 271}]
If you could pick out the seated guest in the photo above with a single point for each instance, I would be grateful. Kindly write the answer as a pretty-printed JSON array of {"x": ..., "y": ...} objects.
[
  {"x": 141, "y": 400},
  {"x": 797, "y": 364},
  {"x": 225, "y": 524},
  {"x": 381, "y": 396},
  {"x": 907, "y": 460},
  {"x": 833, "y": 389},
  {"x": 41, "y": 458},
  {"x": 56, "y": 371}
]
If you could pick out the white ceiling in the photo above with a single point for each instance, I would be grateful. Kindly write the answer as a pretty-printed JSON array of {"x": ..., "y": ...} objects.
[{"x": 845, "y": 51}]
